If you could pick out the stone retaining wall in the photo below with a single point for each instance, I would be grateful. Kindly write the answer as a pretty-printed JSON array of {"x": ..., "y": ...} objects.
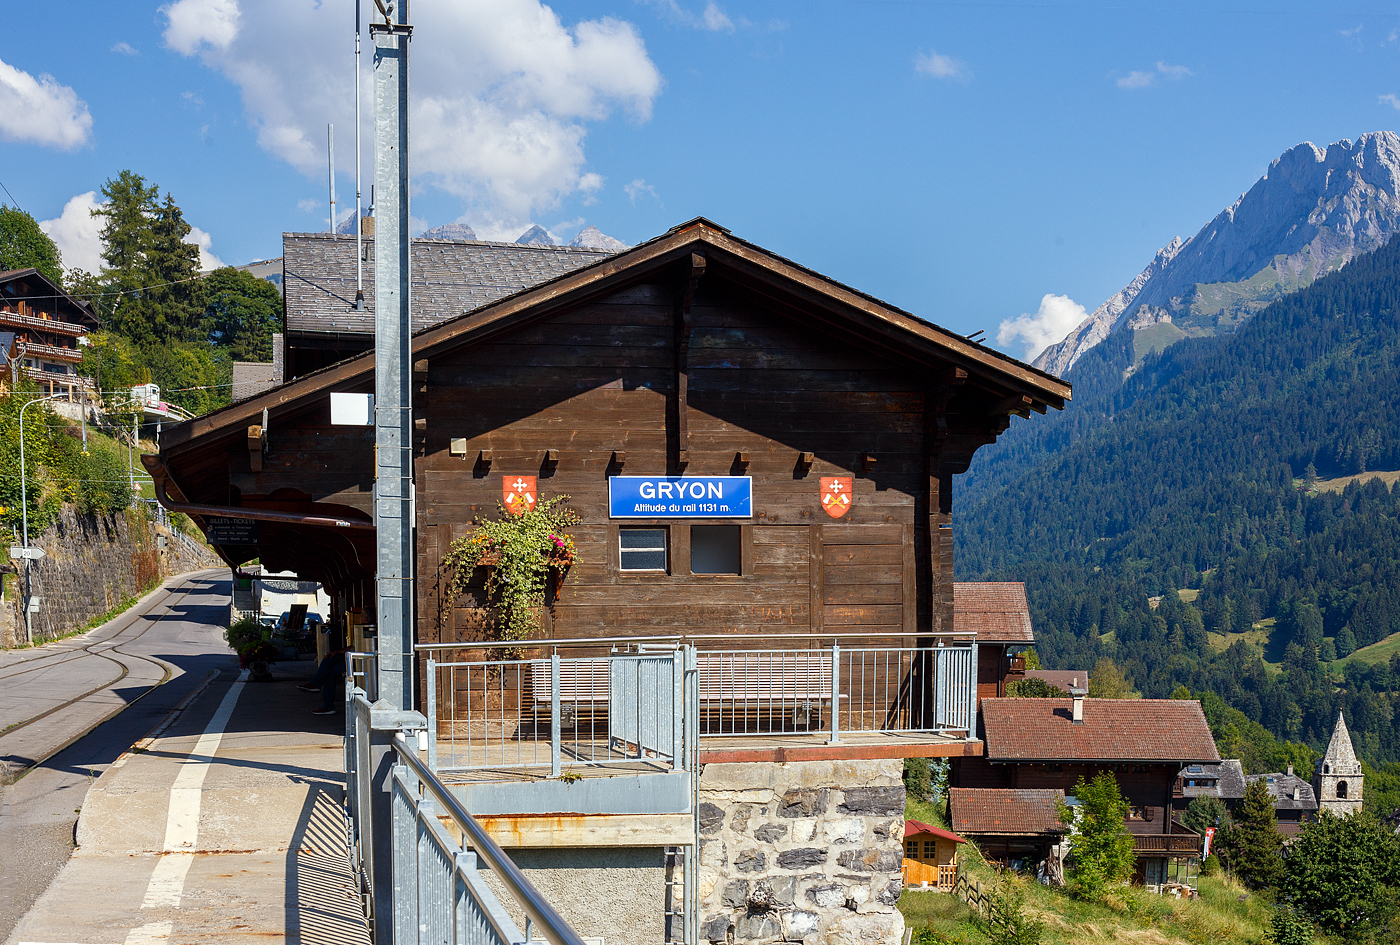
[
  {"x": 801, "y": 852},
  {"x": 93, "y": 563}
]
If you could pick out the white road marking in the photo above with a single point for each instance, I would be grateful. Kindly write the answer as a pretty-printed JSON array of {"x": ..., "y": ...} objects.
[{"x": 167, "y": 883}]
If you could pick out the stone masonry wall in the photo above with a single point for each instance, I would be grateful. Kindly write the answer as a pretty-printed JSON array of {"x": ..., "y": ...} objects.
[
  {"x": 801, "y": 852},
  {"x": 93, "y": 563}
]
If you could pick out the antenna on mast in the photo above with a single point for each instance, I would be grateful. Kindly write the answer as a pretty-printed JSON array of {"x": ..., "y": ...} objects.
[
  {"x": 359, "y": 221},
  {"x": 330, "y": 153}
]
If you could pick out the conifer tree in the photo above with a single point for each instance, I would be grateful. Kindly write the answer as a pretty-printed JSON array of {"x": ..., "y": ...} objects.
[
  {"x": 1101, "y": 850},
  {"x": 1254, "y": 842},
  {"x": 126, "y": 239}
]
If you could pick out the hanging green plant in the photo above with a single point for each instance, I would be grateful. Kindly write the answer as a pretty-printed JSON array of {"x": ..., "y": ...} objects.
[{"x": 519, "y": 552}]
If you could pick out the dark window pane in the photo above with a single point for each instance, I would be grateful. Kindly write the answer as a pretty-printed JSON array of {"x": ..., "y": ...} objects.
[
  {"x": 714, "y": 549},
  {"x": 652, "y": 539}
]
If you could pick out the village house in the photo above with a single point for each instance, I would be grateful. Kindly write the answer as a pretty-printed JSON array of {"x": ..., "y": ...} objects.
[
  {"x": 42, "y": 329},
  {"x": 756, "y": 619},
  {"x": 1035, "y": 750}
]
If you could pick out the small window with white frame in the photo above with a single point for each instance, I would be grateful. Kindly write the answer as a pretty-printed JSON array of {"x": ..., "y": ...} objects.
[{"x": 641, "y": 549}]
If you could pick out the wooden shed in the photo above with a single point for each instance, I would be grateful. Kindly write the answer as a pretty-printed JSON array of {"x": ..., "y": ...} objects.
[{"x": 930, "y": 855}]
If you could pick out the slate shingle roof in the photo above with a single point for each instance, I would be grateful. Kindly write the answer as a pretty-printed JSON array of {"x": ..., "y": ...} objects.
[
  {"x": 1289, "y": 791},
  {"x": 1228, "y": 775},
  {"x": 997, "y": 611},
  {"x": 1006, "y": 811},
  {"x": 450, "y": 277},
  {"x": 1113, "y": 730}
]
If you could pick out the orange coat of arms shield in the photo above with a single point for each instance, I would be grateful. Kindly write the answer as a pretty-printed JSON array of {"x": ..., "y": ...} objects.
[
  {"x": 518, "y": 493},
  {"x": 836, "y": 495}
]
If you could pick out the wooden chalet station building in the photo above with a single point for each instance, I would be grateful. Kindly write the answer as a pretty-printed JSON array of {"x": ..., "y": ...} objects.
[{"x": 761, "y": 462}]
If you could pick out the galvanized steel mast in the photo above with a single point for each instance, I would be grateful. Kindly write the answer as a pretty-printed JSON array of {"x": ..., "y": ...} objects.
[{"x": 392, "y": 397}]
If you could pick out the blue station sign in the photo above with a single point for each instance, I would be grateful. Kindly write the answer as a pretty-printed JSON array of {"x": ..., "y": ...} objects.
[{"x": 680, "y": 496}]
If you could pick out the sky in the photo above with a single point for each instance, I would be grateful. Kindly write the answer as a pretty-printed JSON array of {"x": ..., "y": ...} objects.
[{"x": 1002, "y": 167}]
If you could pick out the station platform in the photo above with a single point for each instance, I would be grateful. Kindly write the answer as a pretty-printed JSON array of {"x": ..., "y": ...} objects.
[{"x": 225, "y": 825}]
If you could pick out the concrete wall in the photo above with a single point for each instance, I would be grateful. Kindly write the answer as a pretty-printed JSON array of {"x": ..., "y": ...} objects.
[
  {"x": 614, "y": 894},
  {"x": 801, "y": 852},
  {"x": 93, "y": 563}
]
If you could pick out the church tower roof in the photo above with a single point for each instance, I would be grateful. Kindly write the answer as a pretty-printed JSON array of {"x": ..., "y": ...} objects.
[{"x": 1340, "y": 756}]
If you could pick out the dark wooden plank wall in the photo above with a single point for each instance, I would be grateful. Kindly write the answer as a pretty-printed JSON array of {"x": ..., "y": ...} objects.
[
  {"x": 600, "y": 378},
  {"x": 1145, "y": 786}
]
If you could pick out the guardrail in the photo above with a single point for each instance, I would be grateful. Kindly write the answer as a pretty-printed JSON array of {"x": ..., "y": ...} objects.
[
  {"x": 631, "y": 707},
  {"x": 420, "y": 884},
  {"x": 537, "y": 713}
]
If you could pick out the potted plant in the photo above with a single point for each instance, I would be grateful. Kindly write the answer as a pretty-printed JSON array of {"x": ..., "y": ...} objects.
[
  {"x": 520, "y": 554},
  {"x": 253, "y": 644}
]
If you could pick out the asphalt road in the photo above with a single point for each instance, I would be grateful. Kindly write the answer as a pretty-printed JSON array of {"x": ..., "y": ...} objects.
[{"x": 50, "y": 695}]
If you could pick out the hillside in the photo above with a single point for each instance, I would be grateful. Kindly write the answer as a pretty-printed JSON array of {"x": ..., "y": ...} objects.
[{"x": 1207, "y": 469}]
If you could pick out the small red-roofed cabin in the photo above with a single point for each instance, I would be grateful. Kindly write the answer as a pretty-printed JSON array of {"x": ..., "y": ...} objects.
[
  {"x": 930, "y": 855},
  {"x": 997, "y": 611}
]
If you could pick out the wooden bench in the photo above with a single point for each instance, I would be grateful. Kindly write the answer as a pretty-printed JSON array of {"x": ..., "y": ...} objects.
[{"x": 795, "y": 683}]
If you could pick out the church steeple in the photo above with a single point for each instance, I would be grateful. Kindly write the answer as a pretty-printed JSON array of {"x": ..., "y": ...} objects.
[{"x": 1337, "y": 782}]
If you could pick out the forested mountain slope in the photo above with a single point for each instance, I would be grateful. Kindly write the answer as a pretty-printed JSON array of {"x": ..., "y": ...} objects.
[{"x": 1195, "y": 473}]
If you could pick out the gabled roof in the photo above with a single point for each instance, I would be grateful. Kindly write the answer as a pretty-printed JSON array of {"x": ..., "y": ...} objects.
[
  {"x": 450, "y": 277},
  {"x": 1289, "y": 791},
  {"x": 1007, "y": 812},
  {"x": 913, "y": 828},
  {"x": 1114, "y": 730},
  {"x": 997, "y": 611},
  {"x": 84, "y": 309},
  {"x": 822, "y": 301},
  {"x": 1228, "y": 775}
]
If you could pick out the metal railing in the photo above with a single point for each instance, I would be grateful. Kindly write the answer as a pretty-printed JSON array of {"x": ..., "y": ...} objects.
[
  {"x": 420, "y": 884},
  {"x": 622, "y": 708},
  {"x": 630, "y": 707}
]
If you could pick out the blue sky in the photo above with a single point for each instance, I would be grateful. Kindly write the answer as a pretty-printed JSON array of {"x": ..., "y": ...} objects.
[{"x": 960, "y": 160}]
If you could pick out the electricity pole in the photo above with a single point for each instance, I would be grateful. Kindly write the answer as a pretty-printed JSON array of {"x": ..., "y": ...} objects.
[{"x": 392, "y": 397}]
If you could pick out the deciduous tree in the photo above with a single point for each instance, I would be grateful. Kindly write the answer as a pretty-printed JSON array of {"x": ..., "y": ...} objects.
[
  {"x": 1101, "y": 851},
  {"x": 24, "y": 246}
]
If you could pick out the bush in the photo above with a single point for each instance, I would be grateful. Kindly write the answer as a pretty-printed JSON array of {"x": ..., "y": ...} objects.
[
  {"x": 1344, "y": 874},
  {"x": 1101, "y": 851},
  {"x": 1005, "y": 921},
  {"x": 1033, "y": 688},
  {"x": 1290, "y": 928},
  {"x": 1210, "y": 866}
]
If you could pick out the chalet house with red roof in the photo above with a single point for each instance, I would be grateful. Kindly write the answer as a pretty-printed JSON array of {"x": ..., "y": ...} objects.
[{"x": 1035, "y": 751}]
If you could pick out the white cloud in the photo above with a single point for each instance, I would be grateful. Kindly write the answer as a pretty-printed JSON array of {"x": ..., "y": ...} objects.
[
  {"x": 41, "y": 110},
  {"x": 941, "y": 67},
  {"x": 192, "y": 24},
  {"x": 306, "y": 204},
  {"x": 126, "y": 49},
  {"x": 711, "y": 18},
  {"x": 1390, "y": 99},
  {"x": 76, "y": 233},
  {"x": 503, "y": 92},
  {"x": 1057, "y": 316},
  {"x": 208, "y": 262},
  {"x": 716, "y": 20},
  {"x": 1355, "y": 30},
  {"x": 637, "y": 188},
  {"x": 1140, "y": 80}
]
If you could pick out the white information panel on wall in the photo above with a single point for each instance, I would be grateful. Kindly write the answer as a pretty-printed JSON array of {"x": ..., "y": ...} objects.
[{"x": 680, "y": 496}]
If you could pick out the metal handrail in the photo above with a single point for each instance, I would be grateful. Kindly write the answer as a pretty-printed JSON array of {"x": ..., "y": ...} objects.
[
  {"x": 535, "y": 906},
  {"x": 968, "y": 635}
]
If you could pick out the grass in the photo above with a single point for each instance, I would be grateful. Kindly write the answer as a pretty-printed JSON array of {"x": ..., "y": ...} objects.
[
  {"x": 1379, "y": 652},
  {"x": 1225, "y": 913},
  {"x": 1389, "y": 477}
]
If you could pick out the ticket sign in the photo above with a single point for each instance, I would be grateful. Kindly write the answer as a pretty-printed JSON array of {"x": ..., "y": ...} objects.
[
  {"x": 680, "y": 496},
  {"x": 231, "y": 531}
]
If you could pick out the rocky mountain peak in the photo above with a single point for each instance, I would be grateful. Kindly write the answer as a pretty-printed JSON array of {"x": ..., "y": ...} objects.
[
  {"x": 1311, "y": 213},
  {"x": 594, "y": 238},
  {"x": 450, "y": 231},
  {"x": 536, "y": 235}
]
